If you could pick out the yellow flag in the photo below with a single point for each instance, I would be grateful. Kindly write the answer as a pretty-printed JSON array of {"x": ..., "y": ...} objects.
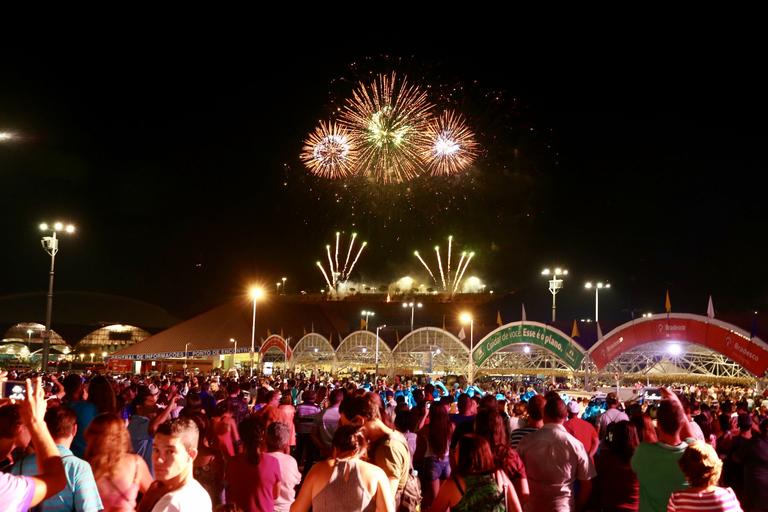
[
  {"x": 268, "y": 333},
  {"x": 362, "y": 324},
  {"x": 498, "y": 318},
  {"x": 668, "y": 304},
  {"x": 575, "y": 330}
]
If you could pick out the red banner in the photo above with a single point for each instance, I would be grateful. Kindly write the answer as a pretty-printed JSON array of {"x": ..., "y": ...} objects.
[
  {"x": 275, "y": 341},
  {"x": 724, "y": 338},
  {"x": 120, "y": 365}
]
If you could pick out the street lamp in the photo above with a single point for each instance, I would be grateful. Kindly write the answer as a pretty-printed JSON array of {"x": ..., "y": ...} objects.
[
  {"x": 598, "y": 286},
  {"x": 256, "y": 293},
  {"x": 647, "y": 315},
  {"x": 51, "y": 246},
  {"x": 284, "y": 279},
  {"x": 412, "y": 305},
  {"x": 277, "y": 285},
  {"x": 234, "y": 352},
  {"x": 555, "y": 285},
  {"x": 377, "y": 348},
  {"x": 466, "y": 318},
  {"x": 367, "y": 314}
]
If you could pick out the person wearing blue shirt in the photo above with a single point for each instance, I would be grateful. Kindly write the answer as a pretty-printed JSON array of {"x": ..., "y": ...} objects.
[
  {"x": 80, "y": 493},
  {"x": 85, "y": 411}
]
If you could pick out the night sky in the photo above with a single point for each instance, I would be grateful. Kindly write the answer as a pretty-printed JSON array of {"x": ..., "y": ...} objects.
[{"x": 637, "y": 163}]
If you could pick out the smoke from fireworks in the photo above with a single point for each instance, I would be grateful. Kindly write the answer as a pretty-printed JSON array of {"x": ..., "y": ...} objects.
[
  {"x": 329, "y": 151},
  {"x": 339, "y": 275},
  {"x": 450, "y": 283}
]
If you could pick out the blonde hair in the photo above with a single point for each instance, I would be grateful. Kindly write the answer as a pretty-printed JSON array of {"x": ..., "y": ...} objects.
[
  {"x": 108, "y": 442},
  {"x": 701, "y": 465}
]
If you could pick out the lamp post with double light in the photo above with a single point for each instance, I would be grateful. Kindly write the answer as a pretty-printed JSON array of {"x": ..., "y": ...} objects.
[
  {"x": 51, "y": 246},
  {"x": 413, "y": 306},
  {"x": 367, "y": 314},
  {"x": 256, "y": 293},
  {"x": 466, "y": 318},
  {"x": 555, "y": 285},
  {"x": 597, "y": 286}
]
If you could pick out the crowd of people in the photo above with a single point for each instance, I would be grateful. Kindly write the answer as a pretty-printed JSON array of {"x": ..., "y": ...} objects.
[{"x": 182, "y": 443}]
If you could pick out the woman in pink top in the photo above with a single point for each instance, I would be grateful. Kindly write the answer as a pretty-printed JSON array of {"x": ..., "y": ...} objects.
[
  {"x": 119, "y": 474},
  {"x": 253, "y": 477},
  {"x": 288, "y": 411}
]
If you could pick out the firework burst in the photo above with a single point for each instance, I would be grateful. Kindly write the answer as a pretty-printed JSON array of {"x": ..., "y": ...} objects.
[
  {"x": 329, "y": 151},
  {"x": 337, "y": 274},
  {"x": 449, "y": 145},
  {"x": 450, "y": 282},
  {"x": 388, "y": 119}
]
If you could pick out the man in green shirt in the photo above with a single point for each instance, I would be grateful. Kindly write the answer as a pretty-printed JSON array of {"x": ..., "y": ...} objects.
[{"x": 655, "y": 464}]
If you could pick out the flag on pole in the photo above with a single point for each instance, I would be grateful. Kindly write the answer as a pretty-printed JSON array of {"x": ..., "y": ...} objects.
[
  {"x": 710, "y": 308},
  {"x": 269, "y": 333},
  {"x": 498, "y": 318},
  {"x": 362, "y": 324},
  {"x": 575, "y": 330},
  {"x": 753, "y": 331},
  {"x": 599, "y": 331},
  {"x": 397, "y": 336},
  {"x": 523, "y": 312},
  {"x": 443, "y": 322},
  {"x": 668, "y": 304},
  {"x": 462, "y": 336},
  {"x": 304, "y": 330},
  {"x": 281, "y": 333}
]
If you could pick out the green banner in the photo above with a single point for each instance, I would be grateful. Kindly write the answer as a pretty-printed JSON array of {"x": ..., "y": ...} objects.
[{"x": 530, "y": 334}]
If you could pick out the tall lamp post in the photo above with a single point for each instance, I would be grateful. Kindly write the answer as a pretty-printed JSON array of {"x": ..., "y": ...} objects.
[
  {"x": 256, "y": 293},
  {"x": 51, "y": 246},
  {"x": 377, "y": 350},
  {"x": 284, "y": 279},
  {"x": 466, "y": 318},
  {"x": 555, "y": 285},
  {"x": 412, "y": 305},
  {"x": 234, "y": 351},
  {"x": 597, "y": 286},
  {"x": 367, "y": 315}
]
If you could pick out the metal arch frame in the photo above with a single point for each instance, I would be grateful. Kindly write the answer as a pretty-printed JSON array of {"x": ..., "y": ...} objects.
[
  {"x": 56, "y": 338},
  {"x": 304, "y": 352},
  {"x": 269, "y": 356},
  {"x": 700, "y": 362},
  {"x": 538, "y": 361},
  {"x": 409, "y": 353},
  {"x": 100, "y": 337},
  {"x": 350, "y": 353}
]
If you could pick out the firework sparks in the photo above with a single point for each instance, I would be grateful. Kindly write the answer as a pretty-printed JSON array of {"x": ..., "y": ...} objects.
[
  {"x": 329, "y": 152},
  {"x": 387, "y": 119},
  {"x": 450, "y": 146},
  {"x": 450, "y": 283},
  {"x": 338, "y": 275}
]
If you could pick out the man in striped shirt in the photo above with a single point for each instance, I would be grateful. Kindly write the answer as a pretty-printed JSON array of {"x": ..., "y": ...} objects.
[
  {"x": 80, "y": 493},
  {"x": 535, "y": 420}
]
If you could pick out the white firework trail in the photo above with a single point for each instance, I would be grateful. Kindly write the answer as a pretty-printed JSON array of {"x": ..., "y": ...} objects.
[
  {"x": 349, "y": 251},
  {"x": 416, "y": 253},
  {"x": 450, "y": 242},
  {"x": 440, "y": 265},
  {"x": 461, "y": 274},
  {"x": 357, "y": 258},
  {"x": 458, "y": 267},
  {"x": 327, "y": 281},
  {"x": 330, "y": 265},
  {"x": 337, "y": 250}
]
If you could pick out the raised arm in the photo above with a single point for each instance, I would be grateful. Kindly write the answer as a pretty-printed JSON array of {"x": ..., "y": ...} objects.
[{"x": 52, "y": 478}]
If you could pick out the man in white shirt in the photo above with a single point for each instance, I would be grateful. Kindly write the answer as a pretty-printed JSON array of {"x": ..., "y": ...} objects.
[
  {"x": 173, "y": 456},
  {"x": 611, "y": 415},
  {"x": 278, "y": 439},
  {"x": 554, "y": 460}
]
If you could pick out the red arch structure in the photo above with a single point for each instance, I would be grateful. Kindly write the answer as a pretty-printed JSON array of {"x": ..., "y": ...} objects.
[
  {"x": 722, "y": 337},
  {"x": 277, "y": 342}
]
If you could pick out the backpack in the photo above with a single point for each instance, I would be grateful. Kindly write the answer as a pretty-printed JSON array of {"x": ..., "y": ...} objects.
[
  {"x": 410, "y": 497},
  {"x": 481, "y": 495}
]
